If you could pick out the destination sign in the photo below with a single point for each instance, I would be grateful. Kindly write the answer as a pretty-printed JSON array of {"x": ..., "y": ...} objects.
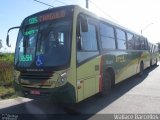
[
  {"x": 30, "y": 32},
  {"x": 52, "y": 16},
  {"x": 48, "y": 16}
]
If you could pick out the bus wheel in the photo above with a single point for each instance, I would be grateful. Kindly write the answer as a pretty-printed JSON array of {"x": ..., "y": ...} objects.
[
  {"x": 150, "y": 63},
  {"x": 107, "y": 84},
  {"x": 156, "y": 62},
  {"x": 141, "y": 70}
]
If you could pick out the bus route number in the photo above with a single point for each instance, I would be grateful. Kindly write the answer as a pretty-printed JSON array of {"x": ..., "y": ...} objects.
[{"x": 26, "y": 58}]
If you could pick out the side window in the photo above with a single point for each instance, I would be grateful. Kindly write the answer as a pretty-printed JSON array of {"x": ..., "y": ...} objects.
[
  {"x": 107, "y": 36},
  {"x": 130, "y": 41},
  {"x": 156, "y": 48},
  {"x": 146, "y": 44},
  {"x": 137, "y": 42},
  {"x": 121, "y": 39},
  {"x": 149, "y": 47},
  {"x": 86, "y": 39},
  {"x": 142, "y": 43},
  {"x": 89, "y": 39}
]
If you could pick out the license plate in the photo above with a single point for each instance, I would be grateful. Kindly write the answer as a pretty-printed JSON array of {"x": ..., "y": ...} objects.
[{"x": 35, "y": 92}]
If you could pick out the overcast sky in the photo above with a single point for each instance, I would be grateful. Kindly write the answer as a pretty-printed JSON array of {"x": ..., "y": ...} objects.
[{"x": 136, "y": 15}]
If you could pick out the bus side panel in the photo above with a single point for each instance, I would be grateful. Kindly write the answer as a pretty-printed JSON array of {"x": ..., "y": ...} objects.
[
  {"x": 88, "y": 78},
  {"x": 123, "y": 63}
]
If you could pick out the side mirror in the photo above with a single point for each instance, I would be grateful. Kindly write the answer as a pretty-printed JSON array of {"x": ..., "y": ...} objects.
[
  {"x": 84, "y": 24},
  {"x": 7, "y": 41}
]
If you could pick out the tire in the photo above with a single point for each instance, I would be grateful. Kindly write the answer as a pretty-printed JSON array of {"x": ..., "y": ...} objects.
[
  {"x": 141, "y": 73},
  {"x": 107, "y": 84},
  {"x": 156, "y": 62},
  {"x": 150, "y": 63}
]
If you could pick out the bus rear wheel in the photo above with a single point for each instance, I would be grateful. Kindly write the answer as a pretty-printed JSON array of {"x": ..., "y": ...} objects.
[
  {"x": 107, "y": 84},
  {"x": 156, "y": 62},
  {"x": 141, "y": 73}
]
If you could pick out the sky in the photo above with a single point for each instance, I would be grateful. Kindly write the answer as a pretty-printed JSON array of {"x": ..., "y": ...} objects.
[{"x": 135, "y": 15}]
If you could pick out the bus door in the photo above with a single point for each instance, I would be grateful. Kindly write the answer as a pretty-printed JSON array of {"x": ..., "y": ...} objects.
[{"x": 87, "y": 58}]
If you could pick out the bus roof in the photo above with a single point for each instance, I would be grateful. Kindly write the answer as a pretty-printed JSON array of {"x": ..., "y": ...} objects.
[{"x": 88, "y": 12}]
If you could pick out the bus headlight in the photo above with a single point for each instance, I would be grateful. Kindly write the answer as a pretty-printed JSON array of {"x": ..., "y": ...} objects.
[{"x": 62, "y": 79}]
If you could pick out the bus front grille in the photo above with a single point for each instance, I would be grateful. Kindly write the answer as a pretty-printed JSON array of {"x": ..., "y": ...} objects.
[{"x": 36, "y": 75}]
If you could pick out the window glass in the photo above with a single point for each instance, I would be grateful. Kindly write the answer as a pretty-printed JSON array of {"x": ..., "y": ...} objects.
[
  {"x": 149, "y": 47},
  {"x": 121, "y": 39},
  {"x": 121, "y": 44},
  {"x": 156, "y": 48},
  {"x": 108, "y": 43},
  {"x": 86, "y": 41},
  {"x": 89, "y": 39},
  {"x": 106, "y": 30},
  {"x": 146, "y": 44},
  {"x": 142, "y": 43},
  {"x": 130, "y": 41},
  {"x": 120, "y": 34},
  {"x": 107, "y": 36},
  {"x": 137, "y": 43}
]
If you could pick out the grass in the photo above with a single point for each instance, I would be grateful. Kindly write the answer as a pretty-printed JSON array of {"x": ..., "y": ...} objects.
[
  {"x": 6, "y": 69},
  {"x": 6, "y": 76},
  {"x": 7, "y": 92}
]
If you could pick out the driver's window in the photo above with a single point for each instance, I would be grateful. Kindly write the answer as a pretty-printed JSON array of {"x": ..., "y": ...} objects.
[{"x": 56, "y": 38}]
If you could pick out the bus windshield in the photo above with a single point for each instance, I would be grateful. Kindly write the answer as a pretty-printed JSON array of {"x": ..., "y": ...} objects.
[{"x": 43, "y": 45}]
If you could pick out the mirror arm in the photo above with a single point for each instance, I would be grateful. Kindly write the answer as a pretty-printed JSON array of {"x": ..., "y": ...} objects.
[{"x": 12, "y": 28}]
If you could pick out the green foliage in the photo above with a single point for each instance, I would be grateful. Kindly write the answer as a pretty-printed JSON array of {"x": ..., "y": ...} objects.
[
  {"x": 6, "y": 91},
  {"x": 6, "y": 69},
  {"x": 9, "y": 57}
]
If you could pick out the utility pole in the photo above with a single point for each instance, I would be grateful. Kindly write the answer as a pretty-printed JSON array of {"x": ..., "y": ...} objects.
[{"x": 87, "y": 5}]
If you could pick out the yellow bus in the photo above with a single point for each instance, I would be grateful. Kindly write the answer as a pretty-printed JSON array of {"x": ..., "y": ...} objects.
[
  {"x": 154, "y": 54},
  {"x": 69, "y": 54}
]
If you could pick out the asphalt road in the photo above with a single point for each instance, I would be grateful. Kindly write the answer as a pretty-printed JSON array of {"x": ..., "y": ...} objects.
[{"x": 133, "y": 96}]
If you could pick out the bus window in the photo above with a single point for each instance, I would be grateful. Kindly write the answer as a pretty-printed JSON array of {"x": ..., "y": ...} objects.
[
  {"x": 89, "y": 39},
  {"x": 130, "y": 41},
  {"x": 87, "y": 42},
  {"x": 121, "y": 39},
  {"x": 107, "y": 36},
  {"x": 146, "y": 44},
  {"x": 142, "y": 43},
  {"x": 137, "y": 42}
]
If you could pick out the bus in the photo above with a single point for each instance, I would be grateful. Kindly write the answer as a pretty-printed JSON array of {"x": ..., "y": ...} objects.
[
  {"x": 69, "y": 54},
  {"x": 154, "y": 54}
]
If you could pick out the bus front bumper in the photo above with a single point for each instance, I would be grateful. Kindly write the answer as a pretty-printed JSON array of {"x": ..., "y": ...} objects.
[{"x": 64, "y": 94}]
